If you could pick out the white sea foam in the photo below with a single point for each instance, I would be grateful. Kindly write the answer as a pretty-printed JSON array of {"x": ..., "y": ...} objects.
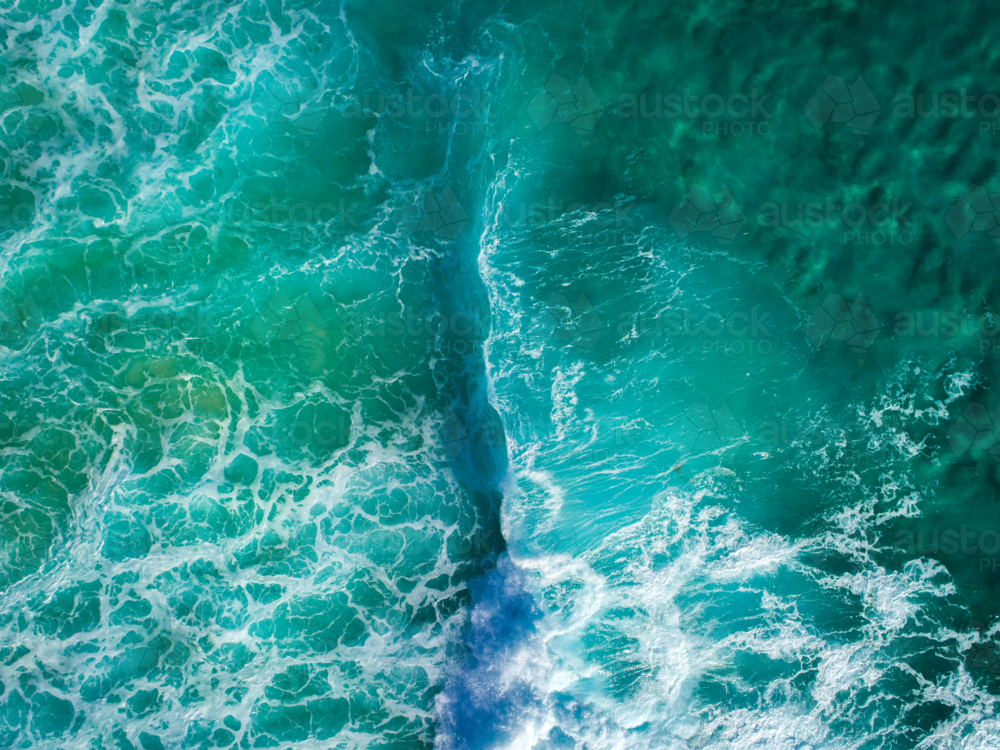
[{"x": 657, "y": 628}]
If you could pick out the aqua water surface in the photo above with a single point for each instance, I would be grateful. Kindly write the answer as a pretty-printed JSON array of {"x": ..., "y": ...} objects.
[{"x": 414, "y": 375}]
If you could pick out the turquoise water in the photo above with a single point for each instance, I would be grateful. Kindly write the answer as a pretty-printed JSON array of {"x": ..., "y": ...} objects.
[{"x": 498, "y": 376}]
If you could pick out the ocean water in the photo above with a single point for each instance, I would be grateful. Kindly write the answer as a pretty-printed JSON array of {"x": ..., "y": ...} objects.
[{"x": 499, "y": 376}]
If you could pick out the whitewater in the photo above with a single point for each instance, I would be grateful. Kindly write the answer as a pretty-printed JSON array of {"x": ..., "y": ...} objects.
[{"x": 406, "y": 376}]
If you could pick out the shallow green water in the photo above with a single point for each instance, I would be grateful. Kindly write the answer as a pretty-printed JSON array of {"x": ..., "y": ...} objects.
[{"x": 498, "y": 376}]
